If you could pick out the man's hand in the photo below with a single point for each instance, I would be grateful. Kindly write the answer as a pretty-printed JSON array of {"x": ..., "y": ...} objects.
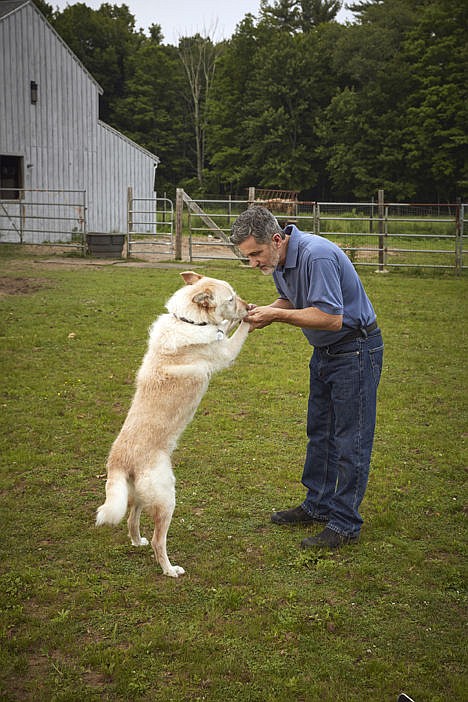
[
  {"x": 282, "y": 311},
  {"x": 259, "y": 317}
]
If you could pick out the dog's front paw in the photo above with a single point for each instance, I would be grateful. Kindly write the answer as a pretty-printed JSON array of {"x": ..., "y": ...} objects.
[{"x": 174, "y": 571}]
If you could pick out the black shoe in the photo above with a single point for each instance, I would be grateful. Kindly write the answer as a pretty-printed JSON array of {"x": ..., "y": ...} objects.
[
  {"x": 328, "y": 539},
  {"x": 296, "y": 515}
]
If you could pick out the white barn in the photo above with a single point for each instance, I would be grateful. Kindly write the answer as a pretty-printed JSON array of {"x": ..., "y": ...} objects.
[{"x": 62, "y": 170}]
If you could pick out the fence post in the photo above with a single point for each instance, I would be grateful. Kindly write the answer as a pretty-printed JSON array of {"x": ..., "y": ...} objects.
[
  {"x": 22, "y": 221},
  {"x": 459, "y": 217},
  {"x": 178, "y": 223},
  {"x": 189, "y": 226},
  {"x": 84, "y": 228},
  {"x": 128, "y": 247},
  {"x": 381, "y": 216},
  {"x": 251, "y": 197}
]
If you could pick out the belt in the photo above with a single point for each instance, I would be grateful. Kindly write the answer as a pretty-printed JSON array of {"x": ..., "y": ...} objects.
[{"x": 362, "y": 332}]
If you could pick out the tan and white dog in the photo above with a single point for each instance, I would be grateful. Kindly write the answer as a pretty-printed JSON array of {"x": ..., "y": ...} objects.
[{"x": 185, "y": 347}]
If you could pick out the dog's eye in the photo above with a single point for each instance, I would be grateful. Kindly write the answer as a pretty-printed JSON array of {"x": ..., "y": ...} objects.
[{"x": 230, "y": 299}]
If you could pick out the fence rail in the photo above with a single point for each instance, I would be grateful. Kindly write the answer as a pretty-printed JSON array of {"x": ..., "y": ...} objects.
[
  {"x": 377, "y": 234},
  {"x": 40, "y": 216}
]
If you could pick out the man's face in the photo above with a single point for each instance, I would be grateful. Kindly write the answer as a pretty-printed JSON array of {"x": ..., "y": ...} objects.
[{"x": 263, "y": 256}]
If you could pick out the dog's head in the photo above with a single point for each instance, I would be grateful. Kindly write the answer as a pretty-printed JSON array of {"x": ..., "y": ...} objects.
[{"x": 208, "y": 300}]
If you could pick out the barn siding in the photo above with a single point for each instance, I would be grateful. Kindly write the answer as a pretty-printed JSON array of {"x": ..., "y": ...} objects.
[
  {"x": 63, "y": 143},
  {"x": 135, "y": 170}
]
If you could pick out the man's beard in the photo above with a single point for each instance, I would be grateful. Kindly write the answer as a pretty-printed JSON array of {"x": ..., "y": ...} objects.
[{"x": 269, "y": 268}]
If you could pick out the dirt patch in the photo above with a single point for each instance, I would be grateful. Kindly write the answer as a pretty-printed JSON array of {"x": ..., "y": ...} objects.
[{"x": 21, "y": 286}]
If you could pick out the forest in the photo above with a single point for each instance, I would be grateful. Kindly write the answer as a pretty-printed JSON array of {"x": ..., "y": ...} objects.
[{"x": 292, "y": 100}]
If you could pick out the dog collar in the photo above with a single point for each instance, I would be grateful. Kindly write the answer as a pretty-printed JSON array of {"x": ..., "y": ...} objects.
[
  {"x": 219, "y": 332},
  {"x": 190, "y": 321}
]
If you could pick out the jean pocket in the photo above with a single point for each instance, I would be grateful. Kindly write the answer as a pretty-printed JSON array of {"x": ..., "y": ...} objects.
[
  {"x": 376, "y": 360},
  {"x": 343, "y": 353}
]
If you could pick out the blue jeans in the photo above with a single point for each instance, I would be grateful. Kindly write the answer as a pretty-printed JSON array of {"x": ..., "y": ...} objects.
[{"x": 340, "y": 427}]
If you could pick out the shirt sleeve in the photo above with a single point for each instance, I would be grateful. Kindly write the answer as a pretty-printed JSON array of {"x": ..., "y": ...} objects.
[{"x": 324, "y": 289}]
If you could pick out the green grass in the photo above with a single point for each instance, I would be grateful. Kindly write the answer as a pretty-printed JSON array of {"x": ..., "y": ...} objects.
[{"x": 85, "y": 616}]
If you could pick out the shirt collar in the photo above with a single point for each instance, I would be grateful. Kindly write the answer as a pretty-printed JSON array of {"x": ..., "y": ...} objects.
[{"x": 293, "y": 245}]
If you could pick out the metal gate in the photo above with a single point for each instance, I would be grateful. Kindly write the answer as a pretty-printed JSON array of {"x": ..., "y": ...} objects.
[
  {"x": 40, "y": 216},
  {"x": 209, "y": 227},
  {"x": 150, "y": 226}
]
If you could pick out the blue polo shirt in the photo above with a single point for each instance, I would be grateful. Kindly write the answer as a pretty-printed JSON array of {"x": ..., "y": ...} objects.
[{"x": 317, "y": 273}]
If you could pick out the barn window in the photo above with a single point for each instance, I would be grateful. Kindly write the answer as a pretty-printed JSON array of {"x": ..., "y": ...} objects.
[
  {"x": 33, "y": 92},
  {"x": 11, "y": 177}
]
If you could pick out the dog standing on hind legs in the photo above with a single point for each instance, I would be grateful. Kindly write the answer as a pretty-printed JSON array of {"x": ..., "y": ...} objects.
[{"x": 185, "y": 347}]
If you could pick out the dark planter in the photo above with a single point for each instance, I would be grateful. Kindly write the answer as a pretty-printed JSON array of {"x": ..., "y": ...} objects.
[{"x": 102, "y": 245}]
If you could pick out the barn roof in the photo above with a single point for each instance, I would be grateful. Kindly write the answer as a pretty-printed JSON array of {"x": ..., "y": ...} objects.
[
  {"x": 8, "y": 7},
  {"x": 118, "y": 134}
]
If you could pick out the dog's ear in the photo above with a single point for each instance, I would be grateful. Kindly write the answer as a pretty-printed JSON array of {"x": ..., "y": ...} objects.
[
  {"x": 204, "y": 298},
  {"x": 190, "y": 277}
]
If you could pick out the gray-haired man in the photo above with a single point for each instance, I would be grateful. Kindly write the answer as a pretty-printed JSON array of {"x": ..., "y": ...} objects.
[{"x": 320, "y": 292}]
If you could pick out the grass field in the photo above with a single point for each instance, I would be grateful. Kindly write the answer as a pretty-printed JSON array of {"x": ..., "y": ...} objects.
[{"x": 86, "y": 616}]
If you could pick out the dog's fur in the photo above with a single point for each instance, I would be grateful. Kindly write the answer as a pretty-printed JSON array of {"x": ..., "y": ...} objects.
[{"x": 185, "y": 347}]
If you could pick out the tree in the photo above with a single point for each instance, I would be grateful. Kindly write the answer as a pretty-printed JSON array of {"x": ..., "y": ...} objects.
[
  {"x": 315, "y": 12},
  {"x": 294, "y": 85},
  {"x": 299, "y": 15},
  {"x": 46, "y": 9},
  {"x": 152, "y": 112},
  {"x": 103, "y": 40},
  {"x": 362, "y": 129},
  {"x": 436, "y": 133},
  {"x": 230, "y": 107},
  {"x": 399, "y": 123},
  {"x": 282, "y": 14},
  {"x": 275, "y": 84},
  {"x": 199, "y": 56}
]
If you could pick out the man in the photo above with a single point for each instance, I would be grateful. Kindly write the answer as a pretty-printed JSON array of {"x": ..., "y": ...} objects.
[{"x": 320, "y": 292}]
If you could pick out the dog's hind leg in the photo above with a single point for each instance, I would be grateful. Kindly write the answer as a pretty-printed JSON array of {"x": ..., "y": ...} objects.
[
  {"x": 162, "y": 519},
  {"x": 155, "y": 491},
  {"x": 133, "y": 522}
]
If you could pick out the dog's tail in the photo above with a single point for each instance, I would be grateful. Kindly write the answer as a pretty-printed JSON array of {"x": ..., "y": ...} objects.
[{"x": 114, "y": 508}]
